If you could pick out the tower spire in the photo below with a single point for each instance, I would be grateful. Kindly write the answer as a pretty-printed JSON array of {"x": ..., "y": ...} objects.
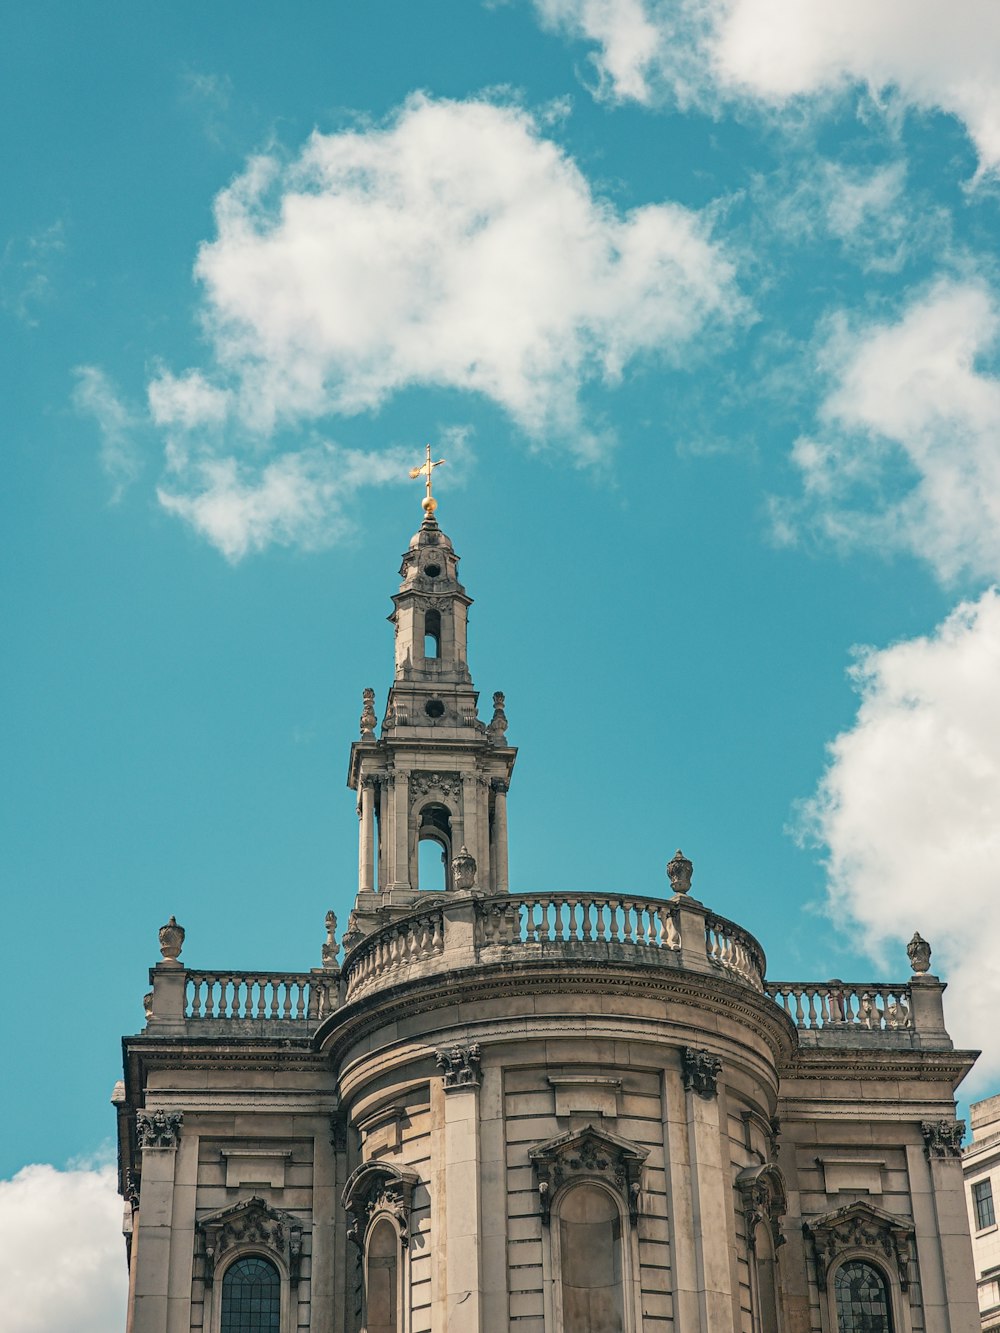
[
  {"x": 436, "y": 772},
  {"x": 428, "y": 504}
]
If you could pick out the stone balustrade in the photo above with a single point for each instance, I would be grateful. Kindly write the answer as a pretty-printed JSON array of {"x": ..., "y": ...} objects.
[
  {"x": 732, "y": 947},
  {"x": 388, "y": 955},
  {"x": 462, "y": 931},
  {"x": 857, "y": 1006},
  {"x": 576, "y": 918},
  {"x": 292, "y": 1000}
]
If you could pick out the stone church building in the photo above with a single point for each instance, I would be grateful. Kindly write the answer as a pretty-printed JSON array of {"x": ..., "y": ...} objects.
[{"x": 496, "y": 1108}]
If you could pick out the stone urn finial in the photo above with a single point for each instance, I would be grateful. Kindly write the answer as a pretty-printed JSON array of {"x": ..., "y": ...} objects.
[
  {"x": 330, "y": 946},
  {"x": 171, "y": 940},
  {"x": 368, "y": 718},
  {"x": 919, "y": 953},
  {"x": 497, "y": 729},
  {"x": 463, "y": 870},
  {"x": 680, "y": 870}
]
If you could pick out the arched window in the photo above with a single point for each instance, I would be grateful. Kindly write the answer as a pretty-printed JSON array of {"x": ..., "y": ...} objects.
[
  {"x": 765, "y": 1280},
  {"x": 382, "y": 1279},
  {"x": 432, "y": 634},
  {"x": 591, "y": 1269},
  {"x": 862, "y": 1299},
  {"x": 251, "y": 1297}
]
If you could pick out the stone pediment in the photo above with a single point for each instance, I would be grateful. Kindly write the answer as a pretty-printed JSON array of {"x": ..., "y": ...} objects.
[
  {"x": 589, "y": 1153},
  {"x": 861, "y": 1226},
  {"x": 252, "y": 1222},
  {"x": 379, "y": 1187},
  {"x": 764, "y": 1199}
]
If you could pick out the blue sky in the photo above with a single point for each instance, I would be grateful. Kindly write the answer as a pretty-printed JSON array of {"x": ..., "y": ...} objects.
[{"x": 700, "y": 301}]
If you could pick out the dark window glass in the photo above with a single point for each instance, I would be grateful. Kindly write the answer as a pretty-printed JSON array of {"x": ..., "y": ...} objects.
[
  {"x": 982, "y": 1195},
  {"x": 251, "y": 1297},
  {"x": 862, "y": 1299}
]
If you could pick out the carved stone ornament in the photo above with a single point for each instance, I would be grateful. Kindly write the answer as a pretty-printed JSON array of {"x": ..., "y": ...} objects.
[
  {"x": 460, "y": 1065},
  {"x": 368, "y": 718},
  {"x": 338, "y": 1130},
  {"x": 252, "y": 1223},
  {"x": 679, "y": 871},
  {"x": 463, "y": 870},
  {"x": 158, "y": 1129},
  {"x": 378, "y": 1189},
  {"x": 171, "y": 940},
  {"x": 861, "y": 1226},
  {"x": 330, "y": 946},
  {"x": 497, "y": 729},
  {"x": 763, "y": 1198},
  {"x": 589, "y": 1153},
  {"x": 943, "y": 1138},
  {"x": 700, "y": 1072},
  {"x": 448, "y": 785},
  {"x": 919, "y": 953}
]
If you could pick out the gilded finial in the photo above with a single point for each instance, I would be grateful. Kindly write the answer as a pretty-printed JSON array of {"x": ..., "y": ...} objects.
[{"x": 428, "y": 503}]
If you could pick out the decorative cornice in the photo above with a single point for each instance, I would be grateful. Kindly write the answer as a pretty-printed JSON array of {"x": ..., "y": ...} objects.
[
  {"x": 589, "y": 1153},
  {"x": 252, "y": 1222},
  {"x": 764, "y": 1199},
  {"x": 460, "y": 1066},
  {"x": 700, "y": 1072},
  {"x": 943, "y": 1138},
  {"x": 860, "y": 1226},
  {"x": 158, "y": 1129},
  {"x": 378, "y": 1188}
]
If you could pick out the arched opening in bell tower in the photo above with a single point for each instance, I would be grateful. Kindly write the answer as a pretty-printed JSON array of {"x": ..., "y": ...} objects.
[
  {"x": 434, "y": 848},
  {"x": 432, "y": 635}
]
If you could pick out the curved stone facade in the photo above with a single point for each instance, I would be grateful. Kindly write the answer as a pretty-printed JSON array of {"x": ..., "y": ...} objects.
[{"x": 509, "y": 1112}]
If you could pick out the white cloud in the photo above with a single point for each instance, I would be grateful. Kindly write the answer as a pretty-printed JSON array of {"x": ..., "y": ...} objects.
[
  {"x": 27, "y": 271},
  {"x": 298, "y": 498},
  {"x": 62, "y": 1257},
  {"x": 907, "y": 809},
  {"x": 96, "y": 396},
  {"x": 455, "y": 247},
  {"x": 934, "y": 57},
  {"x": 906, "y": 451}
]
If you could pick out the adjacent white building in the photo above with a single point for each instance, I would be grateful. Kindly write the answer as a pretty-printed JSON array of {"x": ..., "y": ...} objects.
[{"x": 981, "y": 1163}]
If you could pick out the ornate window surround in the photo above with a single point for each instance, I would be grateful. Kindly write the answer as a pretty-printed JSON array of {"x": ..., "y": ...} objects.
[
  {"x": 589, "y": 1156},
  {"x": 378, "y": 1191},
  {"x": 248, "y": 1228},
  {"x": 860, "y": 1231},
  {"x": 764, "y": 1200}
]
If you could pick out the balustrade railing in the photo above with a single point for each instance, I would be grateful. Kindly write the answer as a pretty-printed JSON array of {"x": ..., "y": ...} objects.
[
  {"x": 733, "y": 948},
  {"x": 865, "y": 1006},
  {"x": 575, "y": 918},
  {"x": 415, "y": 939},
  {"x": 274, "y": 996}
]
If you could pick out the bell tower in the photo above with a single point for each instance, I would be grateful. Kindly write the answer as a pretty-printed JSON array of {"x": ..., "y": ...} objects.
[{"x": 436, "y": 771}]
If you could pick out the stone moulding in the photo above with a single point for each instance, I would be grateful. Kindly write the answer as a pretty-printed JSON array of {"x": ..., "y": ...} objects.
[
  {"x": 764, "y": 1199},
  {"x": 378, "y": 1189},
  {"x": 860, "y": 1226},
  {"x": 589, "y": 1154},
  {"x": 252, "y": 1223}
]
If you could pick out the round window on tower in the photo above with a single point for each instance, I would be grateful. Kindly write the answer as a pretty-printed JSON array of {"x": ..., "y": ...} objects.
[
  {"x": 432, "y": 571},
  {"x": 434, "y": 708}
]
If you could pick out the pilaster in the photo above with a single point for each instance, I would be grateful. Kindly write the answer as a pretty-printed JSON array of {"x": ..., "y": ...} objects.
[
  {"x": 463, "y": 1264},
  {"x": 711, "y": 1193}
]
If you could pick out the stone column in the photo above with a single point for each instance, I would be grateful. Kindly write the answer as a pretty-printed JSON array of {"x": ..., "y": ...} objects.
[
  {"x": 500, "y": 834},
  {"x": 366, "y": 848},
  {"x": 677, "y": 1161},
  {"x": 159, "y": 1133},
  {"x": 711, "y": 1192},
  {"x": 400, "y": 799},
  {"x": 959, "y": 1309},
  {"x": 383, "y": 852},
  {"x": 463, "y": 1258}
]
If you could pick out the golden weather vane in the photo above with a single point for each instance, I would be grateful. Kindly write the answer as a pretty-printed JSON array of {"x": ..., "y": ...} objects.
[{"x": 428, "y": 503}]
